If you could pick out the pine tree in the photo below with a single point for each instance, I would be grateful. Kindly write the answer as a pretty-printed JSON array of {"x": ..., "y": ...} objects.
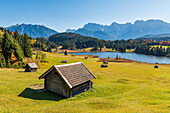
[
  {"x": 117, "y": 57},
  {"x": 27, "y": 46},
  {"x": 18, "y": 38},
  {"x": 7, "y": 46},
  {"x": 65, "y": 53},
  {"x": 18, "y": 52}
]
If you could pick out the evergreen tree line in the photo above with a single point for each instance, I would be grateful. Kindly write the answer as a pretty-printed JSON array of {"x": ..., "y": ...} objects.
[
  {"x": 157, "y": 51},
  {"x": 14, "y": 48}
]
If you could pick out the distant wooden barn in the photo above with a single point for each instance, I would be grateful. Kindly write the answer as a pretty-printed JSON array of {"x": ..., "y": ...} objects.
[
  {"x": 68, "y": 80},
  {"x": 31, "y": 67}
]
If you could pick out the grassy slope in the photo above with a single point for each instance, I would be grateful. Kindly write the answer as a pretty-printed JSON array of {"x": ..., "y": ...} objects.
[{"x": 122, "y": 87}]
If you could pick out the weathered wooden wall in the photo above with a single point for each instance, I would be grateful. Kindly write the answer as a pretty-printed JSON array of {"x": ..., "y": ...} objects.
[
  {"x": 54, "y": 83},
  {"x": 33, "y": 70},
  {"x": 81, "y": 88},
  {"x": 27, "y": 68}
]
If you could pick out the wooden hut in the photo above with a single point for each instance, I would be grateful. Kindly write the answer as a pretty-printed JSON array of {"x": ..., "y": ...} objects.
[
  {"x": 68, "y": 80},
  {"x": 31, "y": 67}
]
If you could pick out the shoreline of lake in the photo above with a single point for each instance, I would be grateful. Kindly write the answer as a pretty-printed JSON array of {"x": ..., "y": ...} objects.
[{"x": 132, "y": 56}]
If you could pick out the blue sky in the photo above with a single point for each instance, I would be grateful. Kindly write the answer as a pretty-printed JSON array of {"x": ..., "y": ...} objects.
[{"x": 63, "y": 14}]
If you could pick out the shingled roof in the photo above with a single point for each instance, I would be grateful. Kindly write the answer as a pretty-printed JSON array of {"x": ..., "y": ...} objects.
[
  {"x": 32, "y": 65},
  {"x": 73, "y": 74}
]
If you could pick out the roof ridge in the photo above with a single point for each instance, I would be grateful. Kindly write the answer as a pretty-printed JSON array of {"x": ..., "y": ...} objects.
[{"x": 67, "y": 64}]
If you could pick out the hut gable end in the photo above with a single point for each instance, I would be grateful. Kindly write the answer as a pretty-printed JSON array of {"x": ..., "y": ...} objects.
[
  {"x": 54, "y": 83},
  {"x": 31, "y": 67}
]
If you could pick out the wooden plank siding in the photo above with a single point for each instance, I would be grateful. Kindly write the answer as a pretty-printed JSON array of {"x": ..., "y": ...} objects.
[
  {"x": 54, "y": 83},
  {"x": 81, "y": 88}
]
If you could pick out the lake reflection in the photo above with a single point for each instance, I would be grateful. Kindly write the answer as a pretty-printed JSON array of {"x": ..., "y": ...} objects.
[{"x": 132, "y": 56}]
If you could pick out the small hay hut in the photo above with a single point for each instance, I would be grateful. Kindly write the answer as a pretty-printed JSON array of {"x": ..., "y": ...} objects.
[
  {"x": 156, "y": 66},
  {"x": 104, "y": 65},
  {"x": 64, "y": 61},
  {"x": 85, "y": 57},
  {"x": 31, "y": 67},
  {"x": 68, "y": 80}
]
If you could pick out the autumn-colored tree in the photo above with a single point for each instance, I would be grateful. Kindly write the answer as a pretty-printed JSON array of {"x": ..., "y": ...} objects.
[{"x": 13, "y": 58}]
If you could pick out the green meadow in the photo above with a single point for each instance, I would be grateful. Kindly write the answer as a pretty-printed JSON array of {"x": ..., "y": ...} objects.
[{"x": 122, "y": 88}]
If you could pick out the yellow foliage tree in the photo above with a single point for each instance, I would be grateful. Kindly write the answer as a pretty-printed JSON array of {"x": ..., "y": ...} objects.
[{"x": 13, "y": 58}]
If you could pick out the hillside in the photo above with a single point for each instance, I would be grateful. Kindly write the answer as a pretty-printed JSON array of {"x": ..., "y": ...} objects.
[
  {"x": 121, "y": 88},
  {"x": 159, "y": 37},
  {"x": 123, "y": 31},
  {"x": 32, "y": 30},
  {"x": 73, "y": 40},
  {"x": 64, "y": 37}
]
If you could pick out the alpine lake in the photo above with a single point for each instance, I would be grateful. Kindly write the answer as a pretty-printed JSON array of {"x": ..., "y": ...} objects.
[{"x": 132, "y": 56}]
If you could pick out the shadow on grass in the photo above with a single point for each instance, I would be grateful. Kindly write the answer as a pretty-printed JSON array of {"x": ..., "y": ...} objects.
[
  {"x": 26, "y": 72},
  {"x": 40, "y": 94}
]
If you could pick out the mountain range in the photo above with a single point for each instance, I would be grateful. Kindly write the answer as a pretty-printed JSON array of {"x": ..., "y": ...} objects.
[
  {"x": 32, "y": 30},
  {"x": 117, "y": 31}
]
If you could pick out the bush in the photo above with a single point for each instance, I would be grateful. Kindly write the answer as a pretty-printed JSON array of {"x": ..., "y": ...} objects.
[
  {"x": 73, "y": 55},
  {"x": 43, "y": 57}
]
